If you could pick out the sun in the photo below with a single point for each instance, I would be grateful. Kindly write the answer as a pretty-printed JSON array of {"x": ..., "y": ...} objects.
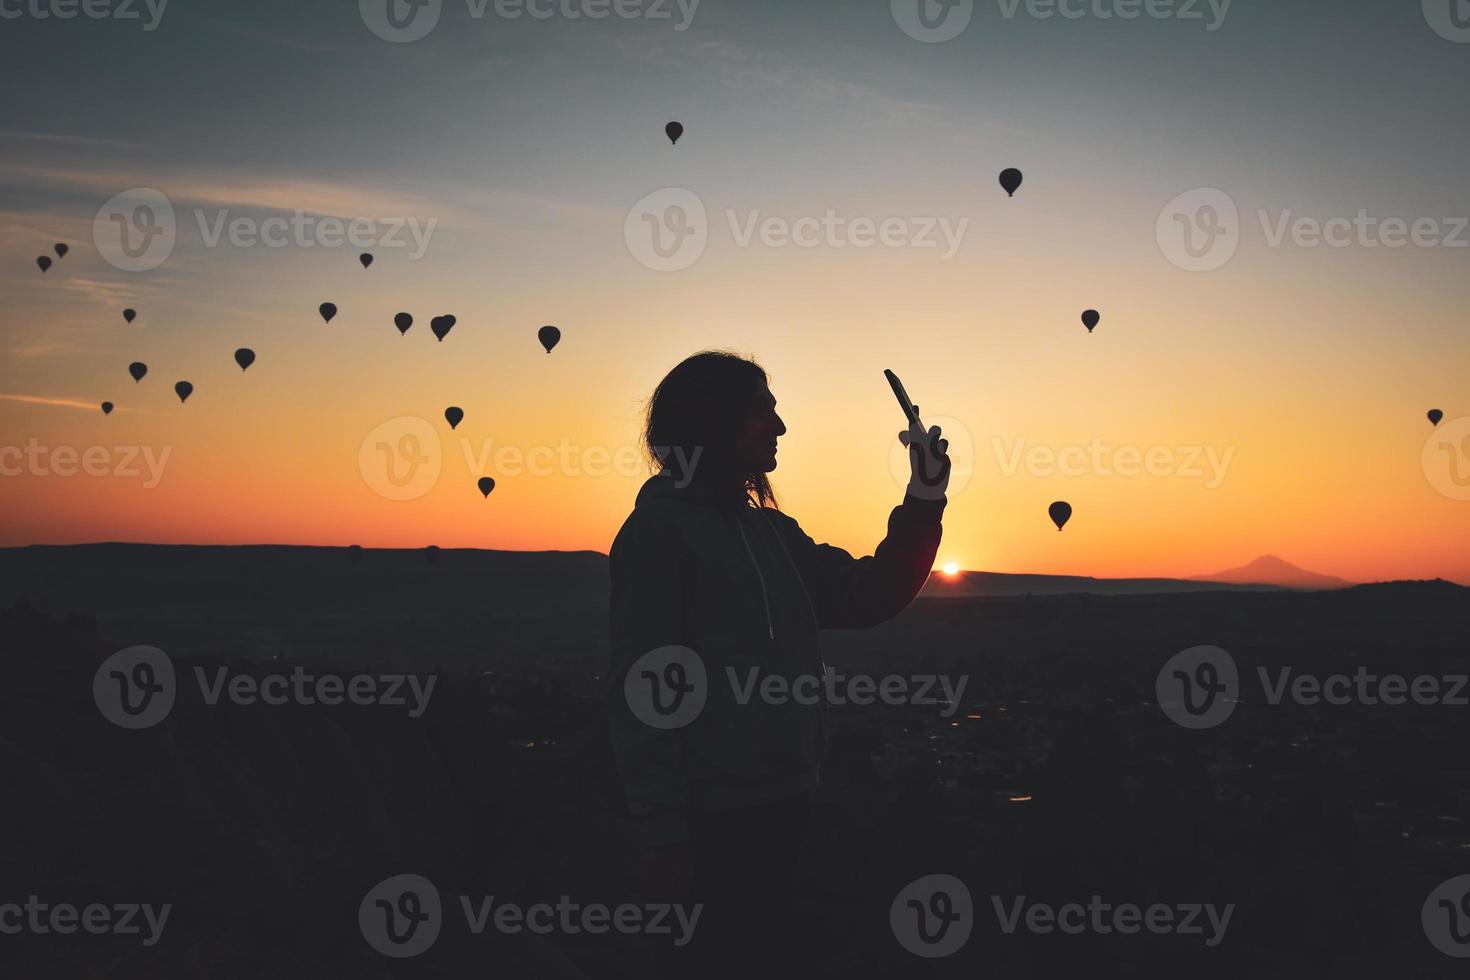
[{"x": 950, "y": 568}]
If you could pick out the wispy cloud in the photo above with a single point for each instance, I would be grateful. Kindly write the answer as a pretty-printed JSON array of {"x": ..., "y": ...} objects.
[
  {"x": 61, "y": 402},
  {"x": 277, "y": 40},
  {"x": 337, "y": 199},
  {"x": 114, "y": 293},
  {"x": 21, "y": 136},
  {"x": 765, "y": 70},
  {"x": 42, "y": 348}
]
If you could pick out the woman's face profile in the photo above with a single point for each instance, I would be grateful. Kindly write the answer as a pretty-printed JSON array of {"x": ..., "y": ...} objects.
[{"x": 755, "y": 445}]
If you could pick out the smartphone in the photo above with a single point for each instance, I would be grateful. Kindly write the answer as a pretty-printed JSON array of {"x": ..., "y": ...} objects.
[{"x": 903, "y": 399}]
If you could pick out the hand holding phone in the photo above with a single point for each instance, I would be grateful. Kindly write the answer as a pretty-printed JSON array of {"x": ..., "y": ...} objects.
[{"x": 928, "y": 450}]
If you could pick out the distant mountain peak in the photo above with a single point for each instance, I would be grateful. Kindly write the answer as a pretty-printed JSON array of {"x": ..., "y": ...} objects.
[{"x": 1275, "y": 570}]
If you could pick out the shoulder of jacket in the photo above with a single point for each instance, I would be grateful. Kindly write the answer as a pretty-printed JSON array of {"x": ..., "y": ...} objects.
[
  {"x": 652, "y": 519},
  {"x": 777, "y": 519}
]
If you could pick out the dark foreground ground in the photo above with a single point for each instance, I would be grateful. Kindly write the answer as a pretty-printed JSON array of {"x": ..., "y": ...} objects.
[{"x": 1056, "y": 776}]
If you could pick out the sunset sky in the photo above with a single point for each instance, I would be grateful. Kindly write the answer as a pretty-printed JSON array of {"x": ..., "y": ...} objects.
[{"x": 1305, "y": 371}]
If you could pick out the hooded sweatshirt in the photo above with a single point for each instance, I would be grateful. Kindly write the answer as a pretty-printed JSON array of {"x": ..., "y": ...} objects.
[{"x": 748, "y": 591}]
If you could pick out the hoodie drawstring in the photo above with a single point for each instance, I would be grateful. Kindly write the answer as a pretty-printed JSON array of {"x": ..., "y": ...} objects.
[
  {"x": 765, "y": 600},
  {"x": 816, "y": 621}
]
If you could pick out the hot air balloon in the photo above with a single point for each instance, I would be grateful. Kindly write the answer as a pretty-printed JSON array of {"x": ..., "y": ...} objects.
[
  {"x": 61, "y": 249},
  {"x": 549, "y": 337},
  {"x": 244, "y": 357},
  {"x": 1061, "y": 513},
  {"x": 441, "y": 325},
  {"x": 130, "y": 314},
  {"x": 674, "y": 130},
  {"x": 1010, "y": 179},
  {"x": 183, "y": 389},
  {"x": 137, "y": 369},
  {"x": 454, "y": 415},
  {"x": 327, "y": 310},
  {"x": 432, "y": 553},
  {"x": 354, "y": 553},
  {"x": 107, "y": 408},
  {"x": 44, "y": 261},
  {"x": 366, "y": 259},
  {"x": 1434, "y": 416},
  {"x": 486, "y": 485},
  {"x": 402, "y": 321},
  {"x": 1090, "y": 319}
]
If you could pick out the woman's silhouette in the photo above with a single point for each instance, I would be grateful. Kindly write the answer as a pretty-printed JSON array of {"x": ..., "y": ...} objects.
[{"x": 707, "y": 563}]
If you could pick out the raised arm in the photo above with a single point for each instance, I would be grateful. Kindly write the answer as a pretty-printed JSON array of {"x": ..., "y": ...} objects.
[{"x": 854, "y": 593}]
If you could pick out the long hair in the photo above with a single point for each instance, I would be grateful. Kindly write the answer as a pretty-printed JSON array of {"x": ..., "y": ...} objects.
[{"x": 694, "y": 417}]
